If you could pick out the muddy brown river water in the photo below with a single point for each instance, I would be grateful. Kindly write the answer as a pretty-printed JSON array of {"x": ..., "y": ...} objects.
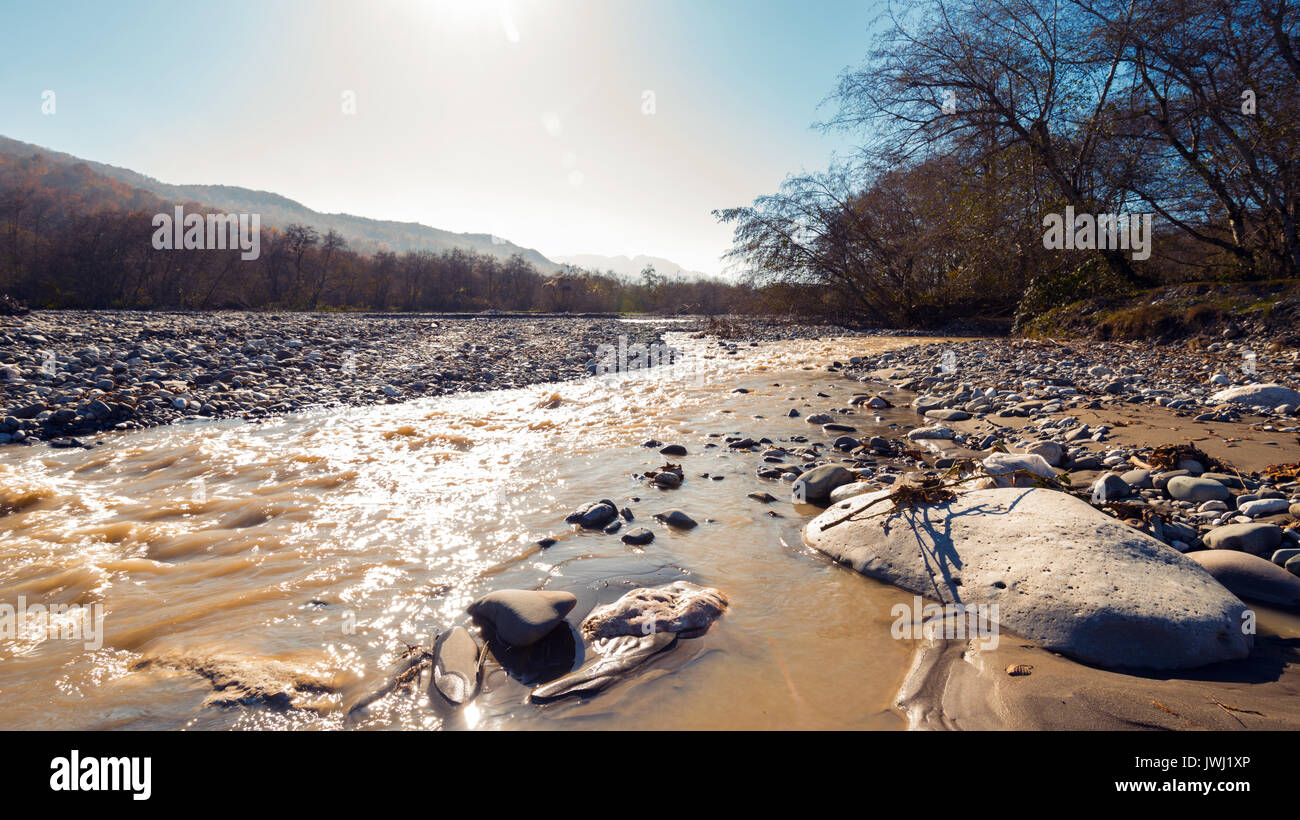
[{"x": 245, "y": 568}]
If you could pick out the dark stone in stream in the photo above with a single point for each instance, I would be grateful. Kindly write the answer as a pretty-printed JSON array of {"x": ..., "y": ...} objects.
[
  {"x": 593, "y": 516},
  {"x": 613, "y": 527},
  {"x": 676, "y": 518},
  {"x": 521, "y": 617},
  {"x": 546, "y": 542},
  {"x": 766, "y": 498},
  {"x": 652, "y": 443},
  {"x": 673, "y": 450},
  {"x": 638, "y": 536}
]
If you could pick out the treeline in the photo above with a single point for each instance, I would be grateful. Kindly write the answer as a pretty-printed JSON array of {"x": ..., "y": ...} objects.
[
  {"x": 980, "y": 118},
  {"x": 71, "y": 238}
]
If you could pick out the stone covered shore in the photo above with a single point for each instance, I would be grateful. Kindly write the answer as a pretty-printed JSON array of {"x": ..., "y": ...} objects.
[{"x": 66, "y": 375}]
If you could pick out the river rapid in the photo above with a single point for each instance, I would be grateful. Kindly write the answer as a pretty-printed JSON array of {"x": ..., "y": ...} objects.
[{"x": 269, "y": 575}]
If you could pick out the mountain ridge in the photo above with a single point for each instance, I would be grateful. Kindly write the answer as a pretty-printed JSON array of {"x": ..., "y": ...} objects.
[{"x": 279, "y": 211}]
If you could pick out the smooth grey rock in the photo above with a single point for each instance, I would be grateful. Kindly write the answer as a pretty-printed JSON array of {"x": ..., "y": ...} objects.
[
  {"x": 947, "y": 415},
  {"x": 455, "y": 665},
  {"x": 1252, "y": 538},
  {"x": 1226, "y": 480},
  {"x": 1264, "y": 506},
  {"x": 1251, "y": 577},
  {"x": 1283, "y": 555},
  {"x": 1188, "y": 488},
  {"x": 1053, "y": 453},
  {"x": 815, "y": 486},
  {"x": 1064, "y": 575},
  {"x": 522, "y": 617}
]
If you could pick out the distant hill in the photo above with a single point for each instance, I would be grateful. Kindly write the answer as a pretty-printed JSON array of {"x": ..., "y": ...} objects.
[
  {"x": 365, "y": 235},
  {"x": 631, "y": 267}
]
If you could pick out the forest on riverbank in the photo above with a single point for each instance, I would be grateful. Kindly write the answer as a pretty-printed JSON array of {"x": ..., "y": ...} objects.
[{"x": 982, "y": 121}]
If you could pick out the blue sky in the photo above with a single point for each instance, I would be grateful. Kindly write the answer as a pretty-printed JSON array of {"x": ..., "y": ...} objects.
[{"x": 527, "y": 119}]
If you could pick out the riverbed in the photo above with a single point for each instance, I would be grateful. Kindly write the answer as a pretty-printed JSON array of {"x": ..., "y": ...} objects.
[{"x": 269, "y": 575}]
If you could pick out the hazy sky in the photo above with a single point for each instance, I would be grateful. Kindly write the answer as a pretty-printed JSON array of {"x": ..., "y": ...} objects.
[{"x": 521, "y": 118}]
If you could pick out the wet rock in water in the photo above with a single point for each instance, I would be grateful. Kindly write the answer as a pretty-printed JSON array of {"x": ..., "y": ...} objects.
[
  {"x": 668, "y": 480},
  {"x": 936, "y": 432},
  {"x": 455, "y": 665},
  {"x": 613, "y": 527},
  {"x": 846, "y": 443},
  {"x": 1002, "y": 468},
  {"x": 521, "y": 617},
  {"x": 680, "y": 607},
  {"x": 1252, "y": 538},
  {"x": 676, "y": 518},
  {"x": 1257, "y": 395},
  {"x": 819, "y": 418},
  {"x": 638, "y": 536},
  {"x": 546, "y": 542},
  {"x": 1251, "y": 577},
  {"x": 616, "y": 659},
  {"x": 766, "y": 498},
  {"x": 1064, "y": 575},
  {"x": 1188, "y": 488},
  {"x": 815, "y": 485},
  {"x": 673, "y": 450},
  {"x": 838, "y": 428},
  {"x": 593, "y": 516}
]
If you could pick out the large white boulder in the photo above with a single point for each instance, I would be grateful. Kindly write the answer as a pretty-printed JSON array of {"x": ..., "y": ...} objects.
[
  {"x": 1063, "y": 574},
  {"x": 1257, "y": 395}
]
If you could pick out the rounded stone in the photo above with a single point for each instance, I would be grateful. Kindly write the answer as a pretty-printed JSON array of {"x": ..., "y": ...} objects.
[
  {"x": 1252, "y": 538},
  {"x": 521, "y": 617},
  {"x": 1251, "y": 577},
  {"x": 1188, "y": 488}
]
